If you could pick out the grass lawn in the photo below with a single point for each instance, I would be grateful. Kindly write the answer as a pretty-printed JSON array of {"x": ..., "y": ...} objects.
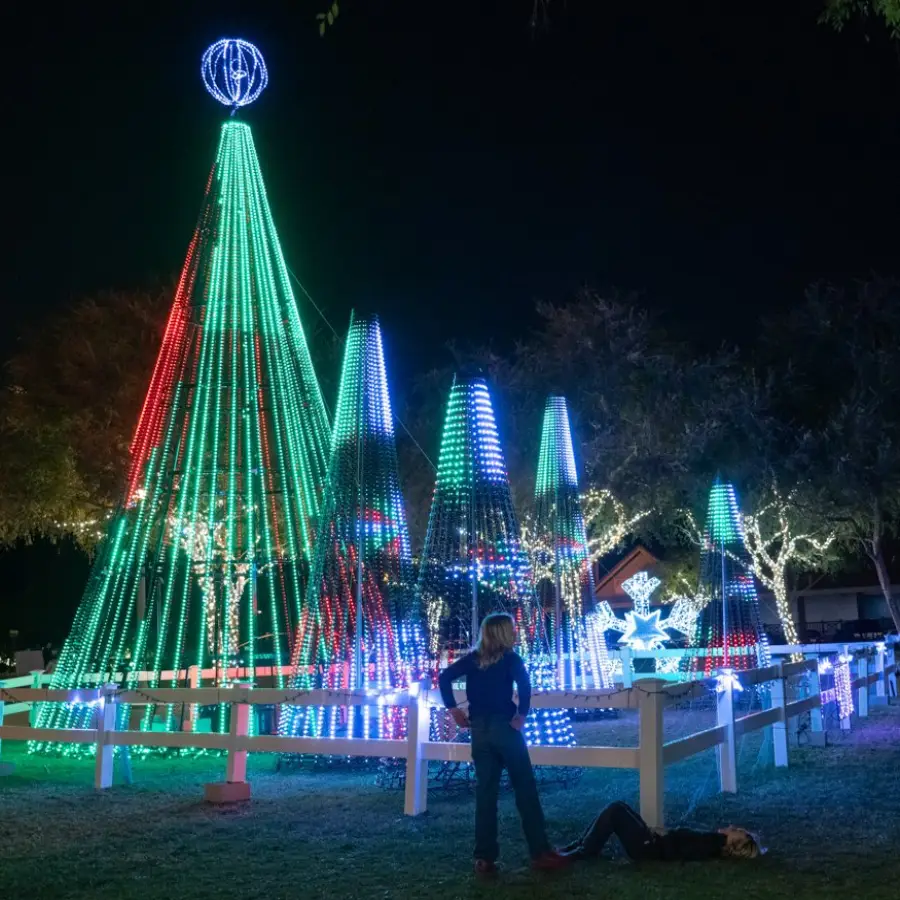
[{"x": 830, "y": 821}]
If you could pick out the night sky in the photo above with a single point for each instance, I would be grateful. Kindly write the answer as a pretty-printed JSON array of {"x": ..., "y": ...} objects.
[
  {"x": 446, "y": 168},
  {"x": 442, "y": 165}
]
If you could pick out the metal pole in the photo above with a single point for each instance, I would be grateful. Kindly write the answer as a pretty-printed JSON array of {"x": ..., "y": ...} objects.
[
  {"x": 473, "y": 542},
  {"x": 360, "y": 536},
  {"x": 557, "y": 624},
  {"x": 724, "y": 611}
]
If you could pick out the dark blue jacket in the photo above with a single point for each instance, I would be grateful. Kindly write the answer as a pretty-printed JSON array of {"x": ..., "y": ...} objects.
[{"x": 489, "y": 690}]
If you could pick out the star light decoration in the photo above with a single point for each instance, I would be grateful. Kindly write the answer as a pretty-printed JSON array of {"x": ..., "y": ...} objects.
[{"x": 642, "y": 628}]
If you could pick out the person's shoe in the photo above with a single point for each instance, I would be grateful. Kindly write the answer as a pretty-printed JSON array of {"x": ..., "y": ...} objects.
[
  {"x": 485, "y": 868},
  {"x": 551, "y": 861}
]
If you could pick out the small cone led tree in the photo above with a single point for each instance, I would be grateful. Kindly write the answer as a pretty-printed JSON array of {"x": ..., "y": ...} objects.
[
  {"x": 205, "y": 563},
  {"x": 357, "y": 633},
  {"x": 474, "y": 562},
  {"x": 562, "y": 570},
  {"x": 729, "y": 623}
]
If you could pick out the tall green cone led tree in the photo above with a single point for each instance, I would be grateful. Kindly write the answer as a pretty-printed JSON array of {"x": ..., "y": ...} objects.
[
  {"x": 474, "y": 562},
  {"x": 206, "y": 561},
  {"x": 562, "y": 569},
  {"x": 359, "y": 631},
  {"x": 729, "y": 622}
]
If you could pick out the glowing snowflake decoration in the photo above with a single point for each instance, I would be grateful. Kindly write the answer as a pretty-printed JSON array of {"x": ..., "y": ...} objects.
[
  {"x": 643, "y": 629},
  {"x": 643, "y": 632},
  {"x": 640, "y": 588}
]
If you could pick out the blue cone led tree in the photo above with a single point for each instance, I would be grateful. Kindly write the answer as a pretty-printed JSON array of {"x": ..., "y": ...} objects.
[
  {"x": 562, "y": 569},
  {"x": 729, "y": 623},
  {"x": 474, "y": 562},
  {"x": 206, "y": 561},
  {"x": 357, "y": 632}
]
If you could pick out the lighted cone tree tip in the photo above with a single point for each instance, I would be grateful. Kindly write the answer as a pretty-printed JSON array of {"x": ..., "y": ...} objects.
[
  {"x": 206, "y": 561},
  {"x": 474, "y": 562},
  {"x": 560, "y": 559},
  {"x": 360, "y": 630},
  {"x": 729, "y": 624}
]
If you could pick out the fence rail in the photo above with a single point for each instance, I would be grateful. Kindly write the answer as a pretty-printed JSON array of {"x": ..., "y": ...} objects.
[{"x": 649, "y": 696}]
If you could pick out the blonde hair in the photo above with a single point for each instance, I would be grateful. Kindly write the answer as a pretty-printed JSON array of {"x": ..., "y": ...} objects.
[
  {"x": 744, "y": 846},
  {"x": 498, "y": 637}
]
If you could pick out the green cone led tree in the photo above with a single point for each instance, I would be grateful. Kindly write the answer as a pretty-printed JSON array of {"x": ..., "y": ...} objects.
[
  {"x": 562, "y": 569},
  {"x": 358, "y": 632},
  {"x": 205, "y": 564},
  {"x": 729, "y": 623},
  {"x": 474, "y": 562}
]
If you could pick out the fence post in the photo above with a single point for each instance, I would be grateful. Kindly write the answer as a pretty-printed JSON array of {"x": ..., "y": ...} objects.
[
  {"x": 627, "y": 674},
  {"x": 816, "y": 728},
  {"x": 725, "y": 751},
  {"x": 892, "y": 678},
  {"x": 37, "y": 676},
  {"x": 880, "y": 685},
  {"x": 862, "y": 702},
  {"x": 190, "y": 711},
  {"x": 418, "y": 721},
  {"x": 239, "y": 727},
  {"x": 106, "y": 728},
  {"x": 779, "y": 728},
  {"x": 5, "y": 768},
  {"x": 651, "y": 702},
  {"x": 235, "y": 788},
  {"x": 845, "y": 651}
]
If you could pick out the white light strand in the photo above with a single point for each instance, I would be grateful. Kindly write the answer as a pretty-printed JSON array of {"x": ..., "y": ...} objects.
[
  {"x": 607, "y": 522},
  {"x": 234, "y": 72}
]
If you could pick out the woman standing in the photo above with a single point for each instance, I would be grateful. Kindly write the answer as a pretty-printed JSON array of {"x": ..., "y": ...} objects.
[{"x": 497, "y": 741}]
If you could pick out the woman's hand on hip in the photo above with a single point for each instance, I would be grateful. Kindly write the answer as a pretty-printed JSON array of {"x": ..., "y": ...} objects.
[{"x": 459, "y": 716}]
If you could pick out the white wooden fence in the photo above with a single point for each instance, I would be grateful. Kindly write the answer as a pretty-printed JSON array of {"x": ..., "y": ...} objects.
[{"x": 649, "y": 696}]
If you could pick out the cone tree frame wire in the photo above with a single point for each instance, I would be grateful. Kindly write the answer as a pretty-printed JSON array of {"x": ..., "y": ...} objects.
[{"x": 205, "y": 563}]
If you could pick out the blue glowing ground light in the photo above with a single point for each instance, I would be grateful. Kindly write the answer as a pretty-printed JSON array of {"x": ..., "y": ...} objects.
[{"x": 234, "y": 72}]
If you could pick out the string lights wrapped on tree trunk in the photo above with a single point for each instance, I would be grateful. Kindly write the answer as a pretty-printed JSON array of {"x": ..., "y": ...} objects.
[{"x": 775, "y": 543}]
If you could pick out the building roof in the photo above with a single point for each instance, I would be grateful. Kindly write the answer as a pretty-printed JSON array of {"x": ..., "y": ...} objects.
[{"x": 611, "y": 572}]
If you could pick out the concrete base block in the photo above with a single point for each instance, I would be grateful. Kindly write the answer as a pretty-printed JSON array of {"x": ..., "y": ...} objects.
[
  {"x": 226, "y": 792},
  {"x": 816, "y": 739},
  {"x": 6, "y": 769},
  {"x": 878, "y": 701}
]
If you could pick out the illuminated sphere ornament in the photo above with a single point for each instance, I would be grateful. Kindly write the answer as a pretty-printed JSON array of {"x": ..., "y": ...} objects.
[{"x": 234, "y": 72}]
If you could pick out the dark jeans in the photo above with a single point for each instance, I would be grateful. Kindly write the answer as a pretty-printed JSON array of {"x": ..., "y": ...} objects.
[
  {"x": 621, "y": 820},
  {"x": 496, "y": 746}
]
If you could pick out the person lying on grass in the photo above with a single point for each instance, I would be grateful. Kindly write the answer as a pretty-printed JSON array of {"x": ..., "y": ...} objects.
[
  {"x": 641, "y": 843},
  {"x": 497, "y": 741}
]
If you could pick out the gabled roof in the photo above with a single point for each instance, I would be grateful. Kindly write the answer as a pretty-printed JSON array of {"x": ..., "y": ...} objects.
[{"x": 612, "y": 571}]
